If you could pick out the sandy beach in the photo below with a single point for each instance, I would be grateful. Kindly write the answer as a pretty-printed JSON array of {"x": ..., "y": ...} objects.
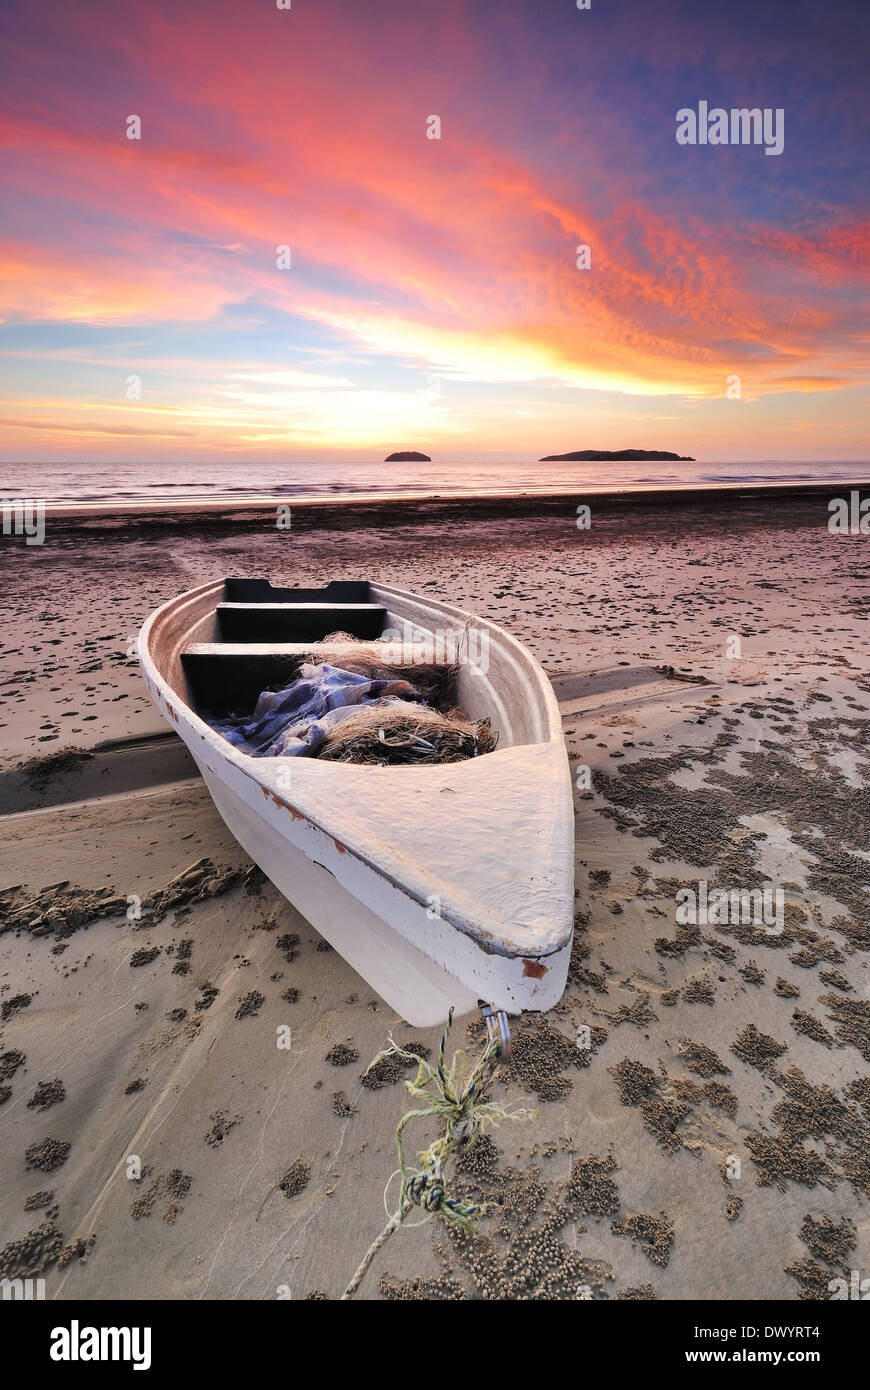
[{"x": 712, "y": 1141}]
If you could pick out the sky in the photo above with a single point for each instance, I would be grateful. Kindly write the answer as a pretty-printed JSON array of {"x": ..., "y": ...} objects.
[{"x": 433, "y": 297}]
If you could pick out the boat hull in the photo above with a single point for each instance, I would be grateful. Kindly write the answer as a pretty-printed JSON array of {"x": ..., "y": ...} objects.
[
  {"x": 406, "y": 979},
  {"x": 405, "y": 976}
]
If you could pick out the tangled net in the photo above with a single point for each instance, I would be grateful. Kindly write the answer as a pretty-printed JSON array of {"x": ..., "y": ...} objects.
[
  {"x": 454, "y": 1094},
  {"x": 386, "y": 737},
  {"x": 433, "y": 732},
  {"x": 436, "y": 681}
]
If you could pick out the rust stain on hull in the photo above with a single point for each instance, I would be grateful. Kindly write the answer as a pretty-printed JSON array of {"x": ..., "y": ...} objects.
[
  {"x": 535, "y": 968},
  {"x": 282, "y": 805}
]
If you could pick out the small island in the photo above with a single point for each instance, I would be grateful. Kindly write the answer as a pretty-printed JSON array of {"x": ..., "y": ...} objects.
[
  {"x": 409, "y": 456},
  {"x": 617, "y": 456}
]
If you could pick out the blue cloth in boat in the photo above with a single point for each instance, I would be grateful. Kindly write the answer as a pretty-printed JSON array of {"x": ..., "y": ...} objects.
[{"x": 296, "y": 721}]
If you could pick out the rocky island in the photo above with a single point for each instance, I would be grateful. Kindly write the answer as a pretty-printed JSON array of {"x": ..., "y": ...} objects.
[
  {"x": 409, "y": 456},
  {"x": 617, "y": 456}
]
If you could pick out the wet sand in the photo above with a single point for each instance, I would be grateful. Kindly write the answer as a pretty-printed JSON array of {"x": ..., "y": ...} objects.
[{"x": 712, "y": 1139}]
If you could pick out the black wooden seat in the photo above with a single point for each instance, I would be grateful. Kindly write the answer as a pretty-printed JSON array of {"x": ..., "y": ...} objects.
[
  {"x": 261, "y": 591},
  {"x": 227, "y": 679},
  {"x": 298, "y": 622}
]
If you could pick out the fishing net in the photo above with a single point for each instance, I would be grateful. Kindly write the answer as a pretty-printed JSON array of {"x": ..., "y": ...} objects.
[
  {"x": 421, "y": 735},
  {"x": 436, "y": 682}
]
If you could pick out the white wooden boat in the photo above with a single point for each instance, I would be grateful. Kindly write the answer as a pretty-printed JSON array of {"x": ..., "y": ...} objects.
[{"x": 441, "y": 884}]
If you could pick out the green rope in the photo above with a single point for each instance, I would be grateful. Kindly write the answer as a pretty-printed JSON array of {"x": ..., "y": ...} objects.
[{"x": 452, "y": 1093}]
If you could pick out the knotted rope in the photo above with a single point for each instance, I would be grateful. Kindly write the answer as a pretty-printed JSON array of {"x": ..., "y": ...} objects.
[{"x": 454, "y": 1095}]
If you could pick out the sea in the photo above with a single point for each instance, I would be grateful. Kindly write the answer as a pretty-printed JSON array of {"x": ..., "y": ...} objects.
[{"x": 235, "y": 481}]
